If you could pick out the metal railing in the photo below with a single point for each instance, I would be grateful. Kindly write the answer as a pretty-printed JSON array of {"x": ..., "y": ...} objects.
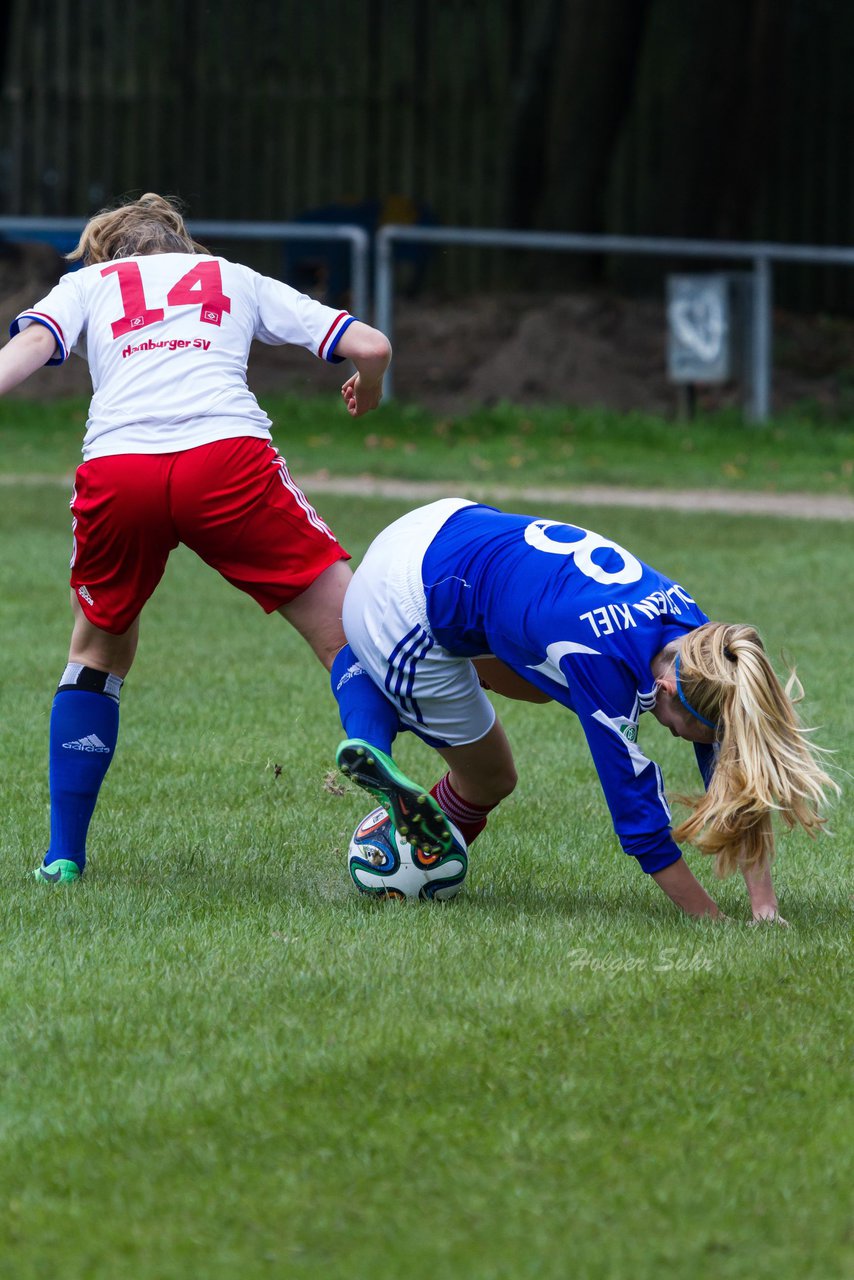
[
  {"x": 360, "y": 243},
  {"x": 760, "y": 255}
]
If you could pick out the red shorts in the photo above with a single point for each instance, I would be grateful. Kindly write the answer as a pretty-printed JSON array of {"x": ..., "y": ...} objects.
[{"x": 233, "y": 502}]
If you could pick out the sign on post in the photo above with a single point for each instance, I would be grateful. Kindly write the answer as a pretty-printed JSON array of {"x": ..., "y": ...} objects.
[{"x": 700, "y": 329}]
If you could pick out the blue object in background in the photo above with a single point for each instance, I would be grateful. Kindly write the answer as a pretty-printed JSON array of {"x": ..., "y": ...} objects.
[
  {"x": 62, "y": 241},
  {"x": 322, "y": 267}
]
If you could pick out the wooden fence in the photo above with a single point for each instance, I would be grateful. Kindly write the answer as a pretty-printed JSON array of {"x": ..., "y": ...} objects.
[{"x": 261, "y": 110}]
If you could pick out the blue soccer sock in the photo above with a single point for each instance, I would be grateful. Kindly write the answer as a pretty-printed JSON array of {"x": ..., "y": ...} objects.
[
  {"x": 84, "y": 728},
  {"x": 364, "y": 709}
]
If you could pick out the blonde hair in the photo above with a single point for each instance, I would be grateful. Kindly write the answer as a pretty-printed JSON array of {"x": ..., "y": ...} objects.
[
  {"x": 150, "y": 224},
  {"x": 765, "y": 761}
]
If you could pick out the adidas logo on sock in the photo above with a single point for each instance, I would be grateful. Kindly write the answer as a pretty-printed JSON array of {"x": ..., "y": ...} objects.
[
  {"x": 90, "y": 743},
  {"x": 356, "y": 670}
]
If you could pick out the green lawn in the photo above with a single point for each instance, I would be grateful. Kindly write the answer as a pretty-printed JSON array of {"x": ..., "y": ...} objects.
[
  {"x": 219, "y": 1061},
  {"x": 557, "y": 446}
]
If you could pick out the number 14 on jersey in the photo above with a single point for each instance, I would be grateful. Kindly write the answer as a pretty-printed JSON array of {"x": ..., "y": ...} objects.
[{"x": 201, "y": 286}]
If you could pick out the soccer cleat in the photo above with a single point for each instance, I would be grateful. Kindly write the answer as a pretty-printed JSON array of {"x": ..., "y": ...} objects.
[
  {"x": 62, "y": 871},
  {"x": 416, "y": 815}
]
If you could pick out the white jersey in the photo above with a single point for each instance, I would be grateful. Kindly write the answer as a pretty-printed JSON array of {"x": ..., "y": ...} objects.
[{"x": 167, "y": 337}]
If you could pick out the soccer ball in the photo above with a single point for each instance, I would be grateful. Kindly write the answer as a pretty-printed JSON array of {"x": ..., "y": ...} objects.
[{"x": 381, "y": 862}]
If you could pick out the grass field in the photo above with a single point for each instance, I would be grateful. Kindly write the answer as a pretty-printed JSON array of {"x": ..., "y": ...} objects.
[
  {"x": 546, "y": 446},
  {"x": 218, "y": 1061}
]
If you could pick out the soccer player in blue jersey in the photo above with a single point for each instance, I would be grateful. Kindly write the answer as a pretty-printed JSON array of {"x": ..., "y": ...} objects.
[{"x": 456, "y": 595}]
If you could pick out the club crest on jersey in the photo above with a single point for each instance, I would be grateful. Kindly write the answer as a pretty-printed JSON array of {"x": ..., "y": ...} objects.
[{"x": 626, "y": 727}]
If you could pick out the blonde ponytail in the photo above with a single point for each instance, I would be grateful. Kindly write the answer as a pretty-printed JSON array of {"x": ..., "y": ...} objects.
[
  {"x": 151, "y": 224},
  {"x": 765, "y": 762}
]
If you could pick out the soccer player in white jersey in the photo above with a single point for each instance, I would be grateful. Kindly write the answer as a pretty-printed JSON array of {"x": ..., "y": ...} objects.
[
  {"x": 176, "y": 449},
  {"x": 456, "y": 595}
]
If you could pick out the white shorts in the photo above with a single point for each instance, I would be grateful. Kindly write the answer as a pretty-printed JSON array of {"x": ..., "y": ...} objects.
[{"x": 437, "y": 695}]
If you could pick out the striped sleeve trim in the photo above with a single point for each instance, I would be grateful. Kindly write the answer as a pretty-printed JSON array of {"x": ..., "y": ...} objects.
[
  {"x": 27, "y": 318},
  {"x": 339, "y": 325}
]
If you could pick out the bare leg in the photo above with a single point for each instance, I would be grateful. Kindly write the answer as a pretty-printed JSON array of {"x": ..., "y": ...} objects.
[
  {"x": 482, "y": 772},
  {"x": 93, "y": 647},
  {"x": 316, "y": 613}
]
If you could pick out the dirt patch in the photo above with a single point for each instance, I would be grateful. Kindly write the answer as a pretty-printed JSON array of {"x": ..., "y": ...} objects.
[
  {"x": 593, "y": 349},
  {"x": 583, "y": 349},
  {"x": 795, "y": 506},
  {"x": 579, "y": 348}
]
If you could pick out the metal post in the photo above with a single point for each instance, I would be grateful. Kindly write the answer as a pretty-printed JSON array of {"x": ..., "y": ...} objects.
[
  {"x": 357, "y": 236},
  {"x": 384, "y": 295},
  {"x": 359, "y": 249},
  {"x": 760, "y": 374}
]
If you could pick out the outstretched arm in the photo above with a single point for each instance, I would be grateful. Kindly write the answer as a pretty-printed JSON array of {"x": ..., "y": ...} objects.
[
  {"x": 370, "y": 352},
  {"x": 23, "y": 354},
  {"x": 763, "y": 899},
  {"x": 760, "y": 888},
  {"x": 682, "y": 887}
]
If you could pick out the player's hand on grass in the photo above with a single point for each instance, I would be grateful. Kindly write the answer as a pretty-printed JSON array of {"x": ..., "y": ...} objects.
[
  {"x": 360, "y": 396},
  {"x": 763, "y": 899},
  {"x": 768, "y": 914}
]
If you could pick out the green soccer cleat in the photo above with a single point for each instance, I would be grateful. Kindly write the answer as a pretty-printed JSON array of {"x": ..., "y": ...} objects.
[
  {"x": 416, "y": 815},
  {"x": 63, "y": 871}
]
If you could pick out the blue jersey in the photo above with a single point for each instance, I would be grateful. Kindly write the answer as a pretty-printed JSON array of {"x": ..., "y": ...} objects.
[{"x": 581, "y": 618}]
